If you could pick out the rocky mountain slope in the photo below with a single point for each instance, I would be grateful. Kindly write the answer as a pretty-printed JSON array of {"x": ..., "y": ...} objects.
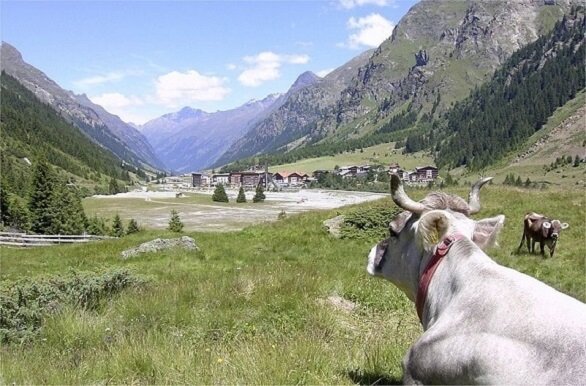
[
  {"x": 299, "y": 115},
  {"x": 190, "y": 139},
  {"x": 102, "y": 127},
  {"x": 438, "y": 52}
]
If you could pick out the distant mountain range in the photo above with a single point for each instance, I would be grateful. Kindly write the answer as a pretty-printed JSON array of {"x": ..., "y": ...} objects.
[
  {"x": 437, "y": 54},
  {"x": 104, "y": 128},
  {"x": 191, "y": 139}
]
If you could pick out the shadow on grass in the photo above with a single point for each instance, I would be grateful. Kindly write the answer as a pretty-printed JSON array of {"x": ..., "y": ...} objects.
[{"x": 372, "y": 378}]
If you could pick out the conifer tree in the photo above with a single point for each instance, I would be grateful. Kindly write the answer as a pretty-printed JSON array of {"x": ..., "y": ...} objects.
[
  {"x": 259, "y": 195},
  {"x": 97, "y": 226},
  {"x": 220, "y": 194},
  {"x": 132, "y": 227},
  {"x": 113, "y": 187},
  {"x": 41, "y": 202},
  {"x": 70, "y": 218},
  {"x": 117, "y": 227},
  {"x": 241, "y": 196},
  {"x": 175, "y": 224},
  {"x": 4, "y": 206}
]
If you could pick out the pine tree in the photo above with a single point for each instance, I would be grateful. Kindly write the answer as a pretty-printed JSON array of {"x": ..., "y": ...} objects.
[
  {"x": 4, "y": 205},
  {"x": 97, "y": 226},
  {"x": 220, "y": 194},
  {"x": 113, "y": 187},
  {"x": 175, "y": 224},
  {"x": 259, "y": 196},
  {"x": 41, "y": 202},
  {"x": 70, "y": 218},
  {"x": 241, "y": 196},
  {"x": 117, "y": 227},
  {"x": 132, "y": 227}
]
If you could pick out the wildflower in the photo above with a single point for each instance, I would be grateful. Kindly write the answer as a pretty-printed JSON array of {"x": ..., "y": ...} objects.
[{"x": 220, "y": 360}]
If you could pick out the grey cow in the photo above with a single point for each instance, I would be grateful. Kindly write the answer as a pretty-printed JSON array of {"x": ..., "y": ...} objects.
[
  {"x": 483, "y": 323},
  {"x": 539, "y": 229}
]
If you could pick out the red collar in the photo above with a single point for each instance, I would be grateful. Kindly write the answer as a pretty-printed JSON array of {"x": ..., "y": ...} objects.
[{"x": 441, "y": 250}]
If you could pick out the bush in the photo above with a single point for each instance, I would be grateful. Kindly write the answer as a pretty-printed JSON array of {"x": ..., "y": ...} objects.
[
  {"x": 368, "y": 223},
  {"x": 24, "y": 305},
  {"x": 241, "y": 196},
  {"x": 220, "y": 194},
  {"x": 175, "y": 224}
]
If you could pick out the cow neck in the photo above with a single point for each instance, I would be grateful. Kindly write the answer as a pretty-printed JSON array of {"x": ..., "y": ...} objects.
[{"x": 441, "y": 250}]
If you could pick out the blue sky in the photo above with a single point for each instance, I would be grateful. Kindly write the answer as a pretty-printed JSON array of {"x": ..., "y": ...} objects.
[{"x": 142, "y": 59}]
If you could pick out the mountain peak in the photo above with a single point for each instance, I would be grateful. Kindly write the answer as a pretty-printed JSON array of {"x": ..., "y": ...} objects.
[{"x": 306, "y": 79}]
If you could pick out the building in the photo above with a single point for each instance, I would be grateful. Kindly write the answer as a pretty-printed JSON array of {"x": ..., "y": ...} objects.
[
  {"x": 426, "y": 173},
  {"x": 235, "y": 179},
  {"x": 293, "y": 178},
  {"x": 221, "y": 178},
  {"x": 196, "y": 179}
]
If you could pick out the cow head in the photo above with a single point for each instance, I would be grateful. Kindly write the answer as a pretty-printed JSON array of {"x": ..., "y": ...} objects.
[
  {"x": 553, "y": 228},
  {"x": 415, "y": 232}
]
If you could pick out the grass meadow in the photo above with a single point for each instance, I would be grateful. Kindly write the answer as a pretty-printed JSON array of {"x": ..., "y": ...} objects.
[{"x": 259, "y": 306}]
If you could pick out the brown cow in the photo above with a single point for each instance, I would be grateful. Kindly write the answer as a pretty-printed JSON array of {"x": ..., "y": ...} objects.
[{"x": 538, "y": 228}]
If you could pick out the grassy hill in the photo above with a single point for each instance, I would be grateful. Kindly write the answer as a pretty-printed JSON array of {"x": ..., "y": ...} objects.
[
  {"x": 267, "y": 305},
  {"x": 383, "y": 154}
]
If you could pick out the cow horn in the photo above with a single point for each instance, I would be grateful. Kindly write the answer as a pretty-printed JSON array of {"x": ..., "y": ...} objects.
[
  {"x": 400, "y": 197},
  {"x": 473, "y": 199}
]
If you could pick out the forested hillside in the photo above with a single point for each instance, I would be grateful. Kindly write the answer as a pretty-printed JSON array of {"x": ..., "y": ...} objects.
[
  {"x": 506, "y": 111},
  {"x": 494, "y": 120},
  {"x": 33, "y": 130}
]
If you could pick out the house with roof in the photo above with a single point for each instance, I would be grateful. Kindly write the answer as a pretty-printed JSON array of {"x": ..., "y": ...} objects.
[{"x": 290, "y": 178}]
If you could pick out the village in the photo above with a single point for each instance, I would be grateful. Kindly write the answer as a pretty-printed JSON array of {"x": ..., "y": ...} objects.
[{"x": 294, "y": 180}]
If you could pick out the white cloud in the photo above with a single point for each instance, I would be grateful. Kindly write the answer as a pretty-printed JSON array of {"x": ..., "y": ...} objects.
[
  {"x": 323, "y": 73},
  {"x": 231, "y": 66},
  {"x": 371, "y": 31},
  {"x": 349, "y": 4},
  {"x": 112, "y": 101},
  {"x": 176, "y": 89},
  {"x": 266, "y": 66},
  {"x": 109, "y": 77},
  {"x": 121, "y": 105}
]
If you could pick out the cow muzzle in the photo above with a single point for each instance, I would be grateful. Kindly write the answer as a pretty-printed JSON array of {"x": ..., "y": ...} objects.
[{"x": 376, "y": 258}]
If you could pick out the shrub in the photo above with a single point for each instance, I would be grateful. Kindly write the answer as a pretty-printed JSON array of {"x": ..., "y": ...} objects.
[
  {"x": 25, "y": 304},
  {"x": 368, "y": 223},
  {"x": 220, "y": 194}
]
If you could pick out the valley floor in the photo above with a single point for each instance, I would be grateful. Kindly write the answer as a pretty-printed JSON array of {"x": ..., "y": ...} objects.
[{"x": 199, "y": 213}]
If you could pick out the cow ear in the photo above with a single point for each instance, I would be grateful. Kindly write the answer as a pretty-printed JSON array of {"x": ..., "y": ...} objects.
[
  {"x": 487, "y": 230},
  {"x": 565, "y": 225},
  {"x": 546, "y": 225},
  {"x": 432, "y": 228}
]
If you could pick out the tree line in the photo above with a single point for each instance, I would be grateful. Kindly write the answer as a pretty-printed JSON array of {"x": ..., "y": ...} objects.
[{"x": 522, "y": 94}]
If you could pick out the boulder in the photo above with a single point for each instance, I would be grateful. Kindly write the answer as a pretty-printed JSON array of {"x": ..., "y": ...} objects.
[
  {"x": 156, "y": 245},
  {"x": 334, "y": 226}
]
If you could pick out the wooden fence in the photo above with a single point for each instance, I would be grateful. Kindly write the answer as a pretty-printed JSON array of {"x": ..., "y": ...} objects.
[{"x": 26, "y": 240}]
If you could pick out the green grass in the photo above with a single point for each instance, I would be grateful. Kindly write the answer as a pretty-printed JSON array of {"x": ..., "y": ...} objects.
[
  {"x": 385, "y": 155},
  {"x": 251, "y": 306}
]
